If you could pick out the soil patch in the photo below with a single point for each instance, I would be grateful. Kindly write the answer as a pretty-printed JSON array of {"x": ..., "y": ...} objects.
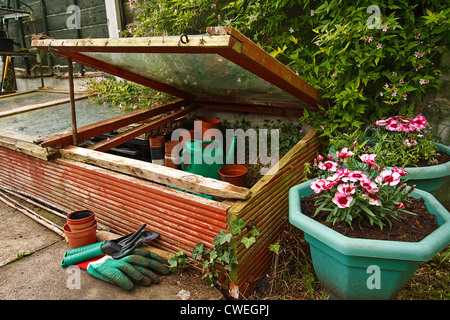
[
  {"x": 411, "y": 228},
  {"x": 441, "y": 158}
]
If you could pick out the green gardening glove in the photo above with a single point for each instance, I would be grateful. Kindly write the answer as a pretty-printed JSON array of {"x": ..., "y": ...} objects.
[{"x": 132, "y": 268}]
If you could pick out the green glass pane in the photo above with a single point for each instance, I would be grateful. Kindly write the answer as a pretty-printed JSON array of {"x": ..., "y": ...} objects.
[
  {"x": 26, "y": 99},
  {"x": 31, "y": 125},
  {"x": 206, "y": 76}
]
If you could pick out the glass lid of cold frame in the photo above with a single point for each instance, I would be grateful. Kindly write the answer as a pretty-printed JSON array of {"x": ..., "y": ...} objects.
[{"x": 208, "y": 77}]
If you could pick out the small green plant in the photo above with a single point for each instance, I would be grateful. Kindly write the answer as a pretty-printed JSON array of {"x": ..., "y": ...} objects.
[
  {"x": 179, "y": 261},
  {"x": 21, "y": 255},
  {"x": 219, "y": 255},
  {"x": 275, "y": 247},
  {"x": 222, "y": 252}
]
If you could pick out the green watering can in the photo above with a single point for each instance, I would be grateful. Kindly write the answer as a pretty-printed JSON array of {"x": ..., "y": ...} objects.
[{"x": 206, "y": 157}]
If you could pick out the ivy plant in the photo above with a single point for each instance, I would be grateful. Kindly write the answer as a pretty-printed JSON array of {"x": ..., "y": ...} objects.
[{"x": 221, "y": 254}]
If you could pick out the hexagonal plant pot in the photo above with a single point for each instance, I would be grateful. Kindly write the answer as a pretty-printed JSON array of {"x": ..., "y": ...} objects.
[
  {"x": 351, "y": 268},
  {"x": 429, "y": 178}
]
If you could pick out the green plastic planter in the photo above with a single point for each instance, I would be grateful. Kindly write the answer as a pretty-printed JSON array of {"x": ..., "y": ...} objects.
[
  {"x": 350, "y": 268},
  {"x": 429, "y": 178}
]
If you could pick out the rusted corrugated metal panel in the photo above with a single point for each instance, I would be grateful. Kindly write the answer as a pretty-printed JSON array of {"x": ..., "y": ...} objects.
[
  {"x": 121, "y": 202},
  {"x": 268, "y": 209}
]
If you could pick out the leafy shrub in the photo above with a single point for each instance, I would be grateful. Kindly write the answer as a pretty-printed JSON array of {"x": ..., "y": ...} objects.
[{"x": 366, "y": 68}]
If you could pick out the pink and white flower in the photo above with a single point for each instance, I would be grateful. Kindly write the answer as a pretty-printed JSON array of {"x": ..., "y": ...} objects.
[
  {"x": 400, "y": 171},
  {"x": 374, "y": 200},
  {"x": 355, "y": 176},
  {"x": 318, "y": 185},
  {"x": 369, "y": 185},
  {"x": 388, "y": 177},
  {"x": 369, "y": 159},
  {"x": 344, "y": 153},
  {"x": 419, "y": 122},
  {"x": 328, "y": 165},
  {"x": 393, "y": 126},
  {"x": 346, "y": 188},
  {"x": 342, "y": 200}
]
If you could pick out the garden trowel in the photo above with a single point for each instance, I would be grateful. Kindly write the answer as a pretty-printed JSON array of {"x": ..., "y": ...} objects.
[{"x": 117, "y": 248}]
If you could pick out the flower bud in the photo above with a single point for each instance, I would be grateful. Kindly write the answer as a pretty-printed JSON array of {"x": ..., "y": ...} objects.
[{"x": 412, "y": 188}]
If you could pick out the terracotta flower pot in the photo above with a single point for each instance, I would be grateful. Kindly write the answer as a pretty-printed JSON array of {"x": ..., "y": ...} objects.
[
  {"x": 157, "y": 149},
  {"x": 170, "y": 157},
  {"x": 80, "y": 238},
  {"x": 234, "y": 174},
  {"x": 156, "y": 141},
  {"x": 209, "y": 123},
  {"x": 81, "y": 219}
]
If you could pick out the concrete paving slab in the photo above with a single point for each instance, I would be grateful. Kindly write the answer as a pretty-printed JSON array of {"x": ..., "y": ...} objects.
[{"x": 39, "y": 276}]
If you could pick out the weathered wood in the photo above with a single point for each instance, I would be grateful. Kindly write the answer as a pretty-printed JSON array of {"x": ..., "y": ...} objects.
[
  {"x": 144, "y": 128},
  {"x": 138, "y": 44},
  {"x": 268, "y": 208},
  {"x": 65, "y": 138},
  {"x": 160, "y": 174},
  {"x": 28, "y": 148},
  {"x": 39, "y": 105},
  {"x": 31, "y": 214}
]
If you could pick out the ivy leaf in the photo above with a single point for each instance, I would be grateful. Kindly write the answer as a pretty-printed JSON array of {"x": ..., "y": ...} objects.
[
  {"x": 199, "y": 251},
  {"x": 254, "y": 231},
  {"x": 221, "y": 238},
  {"x": 248, "y": 241},
  {"x": 275, "y": 247},
  {"x": 237, "y": 225}
]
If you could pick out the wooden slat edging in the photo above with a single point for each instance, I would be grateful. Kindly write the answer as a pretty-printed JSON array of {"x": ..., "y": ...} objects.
[
  {"x": 160, "y": 174},
  {"x": 27, "y": 148},
  {"x": 238, "y": 206}
]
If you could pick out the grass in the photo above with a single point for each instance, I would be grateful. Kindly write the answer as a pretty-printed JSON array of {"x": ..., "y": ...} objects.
[{"x": 292, "y": 276}]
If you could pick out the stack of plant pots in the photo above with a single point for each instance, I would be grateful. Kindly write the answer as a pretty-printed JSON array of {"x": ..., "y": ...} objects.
[
  {"x": 81, "y": 228},
  {"x": 157, "y": 149},
  {"x": 170, "y": 156}
]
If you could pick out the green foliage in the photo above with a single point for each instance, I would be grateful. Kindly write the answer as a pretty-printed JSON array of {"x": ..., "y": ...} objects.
[
  {"x": 363, "y": 72},
  {"x": 21, "y": 255},
  {"x": 275, "y": 247},
  {"x": 179, "y": 261},
  {"x": 221, "y": 254},
  {"x": 123, "y": 94},
  {"x": 394, "y": 148}
]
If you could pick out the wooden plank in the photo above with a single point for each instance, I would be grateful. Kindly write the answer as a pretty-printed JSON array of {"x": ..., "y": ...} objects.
[
  {"x": 202, "y": 43},
  {"x": 253, "y": 58},
  {"x": 39, "y": 105},
  {"x": 146, "y": 127},
  {"x": 65, "y": 138},
  {"x": 28, "y": 148},
  {"x": 160, "y": 174},
  {"x": 261, "y": 184},
  {"x": 17, "y": 93},
  {"x": 268, "y": 208}
]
